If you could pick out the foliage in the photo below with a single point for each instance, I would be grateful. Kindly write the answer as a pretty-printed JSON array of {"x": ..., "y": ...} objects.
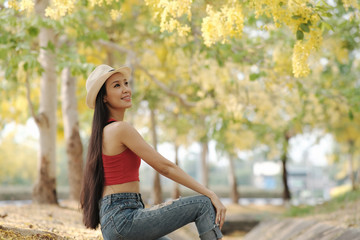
[{"x": 233, "y": 71}]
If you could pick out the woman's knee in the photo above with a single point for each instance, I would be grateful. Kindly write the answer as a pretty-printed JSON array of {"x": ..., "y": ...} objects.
[{"x": 207, "y": 201}]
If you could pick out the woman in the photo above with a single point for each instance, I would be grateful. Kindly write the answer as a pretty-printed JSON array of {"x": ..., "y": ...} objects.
[{"x": 110, "y": 192}]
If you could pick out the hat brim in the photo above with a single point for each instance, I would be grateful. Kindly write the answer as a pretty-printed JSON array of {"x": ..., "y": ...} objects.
[{"x": 95, "y": 88}]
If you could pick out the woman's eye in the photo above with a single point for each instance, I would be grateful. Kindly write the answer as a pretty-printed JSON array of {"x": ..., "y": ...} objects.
[
  {"x": 126, "y": 83},
  {"x": 116, "y": 85}
]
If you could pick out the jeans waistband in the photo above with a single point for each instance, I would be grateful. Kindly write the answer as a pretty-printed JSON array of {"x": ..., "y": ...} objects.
[{"x": 118, "y": 196}]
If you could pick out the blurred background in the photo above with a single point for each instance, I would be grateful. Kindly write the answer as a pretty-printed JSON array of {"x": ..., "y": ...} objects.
[{"x": 258, "y": 101}]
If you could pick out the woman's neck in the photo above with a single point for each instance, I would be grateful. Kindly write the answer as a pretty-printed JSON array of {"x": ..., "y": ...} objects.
[{"x": 118, "y": 116}]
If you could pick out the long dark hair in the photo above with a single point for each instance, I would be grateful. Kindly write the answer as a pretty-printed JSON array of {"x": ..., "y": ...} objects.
[{"x": 93, "y": 180}]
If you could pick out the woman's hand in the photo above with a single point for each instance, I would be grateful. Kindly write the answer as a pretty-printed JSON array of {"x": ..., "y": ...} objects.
[{"x": 220, "y": 210}]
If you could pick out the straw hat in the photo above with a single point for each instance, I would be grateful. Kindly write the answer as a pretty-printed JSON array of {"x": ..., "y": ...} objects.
[{"x": 98, "y": 77}]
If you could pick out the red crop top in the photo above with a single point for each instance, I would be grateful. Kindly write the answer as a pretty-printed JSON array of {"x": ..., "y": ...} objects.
[{"x": 121, "y": 168}]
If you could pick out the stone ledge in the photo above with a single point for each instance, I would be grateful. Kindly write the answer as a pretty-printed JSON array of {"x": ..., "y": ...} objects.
[
  {"x": 242, "y": 223},
  {"x": 300, "y": 229}
]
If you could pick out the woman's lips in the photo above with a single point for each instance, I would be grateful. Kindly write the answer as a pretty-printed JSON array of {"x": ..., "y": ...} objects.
[{"x": 127, "y": 98}]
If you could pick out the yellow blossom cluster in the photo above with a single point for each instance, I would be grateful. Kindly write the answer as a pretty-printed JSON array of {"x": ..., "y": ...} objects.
[
  {"x": 218, "y": 25},
  {"x": 169, "y": 12},
  {"x": 59, "y": 8},
  {"x": 115, "y": 14},
  {"x": 289, "y": 12},
  {"x": 300, "y": 17},
  {"x": 22, "y": 5},
  {"x": 270, "y": 8},
  {"x": 350, "y": 3},
  {"x": 301, "y": 53},
  {"x": 282, "y": 65},
  {"x": 101, "y": 2}
]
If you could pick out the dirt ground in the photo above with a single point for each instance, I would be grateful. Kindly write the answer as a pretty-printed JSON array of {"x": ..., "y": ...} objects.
[
  {"x": 50, "y": 220},
  {"x": 64, "y": 222}
]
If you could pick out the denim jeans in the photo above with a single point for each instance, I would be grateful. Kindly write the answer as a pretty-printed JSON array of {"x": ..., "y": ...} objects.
[{"x": 123, "y": 216}]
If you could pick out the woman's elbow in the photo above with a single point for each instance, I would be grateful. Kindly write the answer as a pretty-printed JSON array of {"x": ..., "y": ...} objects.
[{"x": 165, "y": 169}]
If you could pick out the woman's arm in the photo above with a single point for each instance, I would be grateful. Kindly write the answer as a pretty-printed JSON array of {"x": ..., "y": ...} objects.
[{"x": 133, "y": 140}]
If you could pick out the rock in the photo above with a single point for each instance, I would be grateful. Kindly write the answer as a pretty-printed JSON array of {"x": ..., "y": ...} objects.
[{"x": 300, "y": 229}]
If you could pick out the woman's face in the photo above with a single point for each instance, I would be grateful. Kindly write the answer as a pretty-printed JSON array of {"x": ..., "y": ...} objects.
[{"x": 118, "y": 92}]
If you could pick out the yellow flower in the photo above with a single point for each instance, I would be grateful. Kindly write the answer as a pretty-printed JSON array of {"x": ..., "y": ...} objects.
[
  {"x": 115, "y": 14},
  {"x": 301, "y": 53},
  {"x": 169, "y": 12},
  {"x": 13, "y": 4},
  {"x": 23, "y": 5},
  {"x": 59, "y": 8},
  {"x": 219, "y": 25},
  {"x": 27, "y": 5},
  {"x": 350, "y": 3}
]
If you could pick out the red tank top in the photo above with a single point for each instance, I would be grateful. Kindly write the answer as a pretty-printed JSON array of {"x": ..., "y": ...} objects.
[{"x": 121, "y": 168}]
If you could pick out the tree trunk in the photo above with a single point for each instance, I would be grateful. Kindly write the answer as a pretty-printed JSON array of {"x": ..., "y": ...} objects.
[
  {"x": 45, "y": 188},
  {"x": 157, "y": 192},
  {"x": 357, "y": 186},
  {"x": 204, "y": 164},
  {"x": 176, "y": 190},
  {"x": 232, "y": 180},
  {"x": 286, "y": 191},
  {"x": 351, "y": 166},
  {"x": 74, "y": 148}
]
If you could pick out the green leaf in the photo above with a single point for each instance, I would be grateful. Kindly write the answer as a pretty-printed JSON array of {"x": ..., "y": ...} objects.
[
  {"x": 327, "y": 14},
  {"x": 324, "y": 25},
  {"x": 26, "y": 66},
  {"x": 51, "y": 46},
  {"x": 351, "y": 115},
  {"x": 8, "y": 72},
  {"x": 254, "y": 76},
  {"x": 296, "y": 17},
  {"x": 305, "y": 27},
  {"x": 33, "y": 31},
  {"x": 299, "y": 35}
]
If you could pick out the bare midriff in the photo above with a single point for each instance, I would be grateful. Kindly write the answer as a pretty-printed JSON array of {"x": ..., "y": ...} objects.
[{"x": 130, "y": 187}]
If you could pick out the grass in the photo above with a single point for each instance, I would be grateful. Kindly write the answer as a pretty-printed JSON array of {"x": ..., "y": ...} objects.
[{"x": 332, "y": 205}]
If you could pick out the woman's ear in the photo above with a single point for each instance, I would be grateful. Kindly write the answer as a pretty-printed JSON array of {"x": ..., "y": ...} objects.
[{"x": 105, "y": 99}]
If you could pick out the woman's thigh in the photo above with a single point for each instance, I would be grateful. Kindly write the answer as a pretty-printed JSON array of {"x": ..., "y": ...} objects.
[{"x": 157, "y": 221}]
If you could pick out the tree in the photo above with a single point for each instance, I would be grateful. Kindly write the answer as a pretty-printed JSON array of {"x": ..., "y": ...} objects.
[
  {"x": 225, "y": 20},
  {"x": 74, "y": 147},
  {"x": 277, "y": 45},
  {"x": 45, "y": 188},
  {"x": 157, "y": 192}
]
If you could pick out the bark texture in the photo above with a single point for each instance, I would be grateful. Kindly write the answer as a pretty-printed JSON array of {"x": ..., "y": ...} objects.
[
  {"x": 204, "y": 164},
  {"x": 157, "y": 191},
  {"x": 176, "y": 190},
  {"x": 45, "y": 188},
  {"x": 234, "y": 194},
  {"x": 286, "y": 191},
  {"x": 74, "y": 148}
]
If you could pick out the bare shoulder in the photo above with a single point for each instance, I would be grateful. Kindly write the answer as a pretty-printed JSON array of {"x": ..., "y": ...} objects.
[
  {"x": 118, "y": 129},
  {"x": 116, "y": 136}
]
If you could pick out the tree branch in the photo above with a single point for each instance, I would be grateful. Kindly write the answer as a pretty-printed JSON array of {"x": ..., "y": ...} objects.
[
  {"x": 31, "y": 106},
  {"x": 161, "y": 85},
  {"x": 135, "y": 62}
]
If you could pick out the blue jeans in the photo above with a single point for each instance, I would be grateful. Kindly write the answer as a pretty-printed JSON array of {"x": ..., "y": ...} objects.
[{"x": 123, "y": 216}]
